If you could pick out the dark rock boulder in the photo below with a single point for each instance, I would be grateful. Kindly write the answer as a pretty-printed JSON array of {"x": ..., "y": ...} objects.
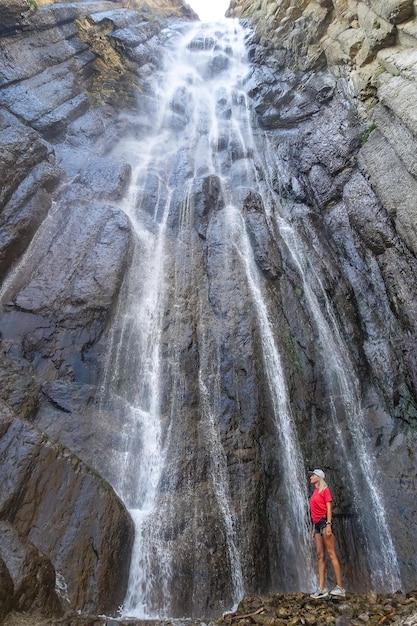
[
  {"x": 32, "y": 574},
  {"x": 60, "y": 508},
  {"x": 6, "y": 590}
]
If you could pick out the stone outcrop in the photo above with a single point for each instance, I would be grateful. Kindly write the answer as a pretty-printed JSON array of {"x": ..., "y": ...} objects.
[
  {"x": 372, "y": 47},
  {"x": 66, "y": 538},
  {"x": 365, "y": 42}
]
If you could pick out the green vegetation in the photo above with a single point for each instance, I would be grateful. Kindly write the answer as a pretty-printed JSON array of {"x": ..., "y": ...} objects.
[
  {"x": 33, "y": 4},
  {"x": 97, "y": 101},
  {"x": 368, "y": 132}
]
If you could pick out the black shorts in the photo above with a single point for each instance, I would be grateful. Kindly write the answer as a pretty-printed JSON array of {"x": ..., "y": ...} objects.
[{"x": 318, "y": 528}]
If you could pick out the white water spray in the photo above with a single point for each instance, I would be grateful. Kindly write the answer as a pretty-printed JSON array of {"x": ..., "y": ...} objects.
[
  {"x": 201, "y": 110},
  {"x": 296, "y": 528},
  {"x": 345, "y": 403},
  {"x": 187, "y": 129}
]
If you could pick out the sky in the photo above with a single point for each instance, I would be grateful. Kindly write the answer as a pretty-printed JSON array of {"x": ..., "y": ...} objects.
[{"x": 209, "y": 10}]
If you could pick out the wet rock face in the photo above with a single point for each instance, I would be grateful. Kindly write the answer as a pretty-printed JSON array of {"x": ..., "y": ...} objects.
[
  {"x": 65, "y": 527},
  {"x": 67, "y": 251},
  {"x": 64, "y": 248},
  {"x": 32, "y": 574},
  {"x": 365, "y": 222},
  {"x": 372, "y": 46},
  {"x": 29, "y": 175},
  {"x": 7, "y": 589},
  {"x": 264, "y": 246}
]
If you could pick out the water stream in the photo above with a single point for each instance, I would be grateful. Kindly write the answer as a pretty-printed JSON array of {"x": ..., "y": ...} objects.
[
  {"x": 186, "y": 133},
  {"x": 343, "y": 392},
  {"x": 186, "y": 329}
]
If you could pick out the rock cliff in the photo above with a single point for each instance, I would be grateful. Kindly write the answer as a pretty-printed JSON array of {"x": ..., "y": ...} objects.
[
  {"x": 371, "y": 46},
  {"x": 362, "y": 54},
  {"x": 332, "y": 88},
  {"x": 66, "y": 70}
]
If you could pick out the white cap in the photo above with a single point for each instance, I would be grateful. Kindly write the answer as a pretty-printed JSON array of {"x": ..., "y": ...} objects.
[{"x": 317, "y": 472}]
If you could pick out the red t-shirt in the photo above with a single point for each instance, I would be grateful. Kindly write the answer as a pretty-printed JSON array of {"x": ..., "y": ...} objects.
[{"x": 318, "y": 503}]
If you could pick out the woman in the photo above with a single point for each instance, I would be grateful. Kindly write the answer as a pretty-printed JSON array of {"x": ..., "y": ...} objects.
[{"x": 321, "y": 514}]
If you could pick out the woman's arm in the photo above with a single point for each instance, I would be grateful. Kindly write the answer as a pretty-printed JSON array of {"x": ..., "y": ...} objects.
[{"x": 329, "y": 514}]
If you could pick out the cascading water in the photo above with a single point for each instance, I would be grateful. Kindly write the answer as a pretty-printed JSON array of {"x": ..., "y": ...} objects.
[
  {"x": 343, "y": 395},
  {"x": 345, "y": 407},
  {"x": 210, "y": 462},
  {"x": 297, "y": 545},
  {"x": 185, "y": 139}
]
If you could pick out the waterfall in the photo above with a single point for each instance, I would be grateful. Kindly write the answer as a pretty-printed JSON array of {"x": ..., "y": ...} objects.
[
  {"x": 297, "y": 542},
  {"x": 187, "y": 132},
  {"x": 343, "y": 391},
  {"x": 210, "y": 464}
]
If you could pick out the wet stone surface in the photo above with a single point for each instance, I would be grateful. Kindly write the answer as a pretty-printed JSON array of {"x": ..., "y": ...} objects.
[{"x": 75, "y": 246}]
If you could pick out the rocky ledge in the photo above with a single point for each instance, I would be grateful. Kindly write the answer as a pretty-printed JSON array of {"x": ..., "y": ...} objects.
[
  {"x": 358, "y": 39},
  {"x": 370, "y": 47},
  {"x": 276, "y": 610}
]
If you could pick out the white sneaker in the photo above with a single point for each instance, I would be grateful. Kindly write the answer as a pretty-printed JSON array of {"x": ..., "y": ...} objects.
[
  {"x": 338, "y": 592},
  {"x": 320, "y": 593}
]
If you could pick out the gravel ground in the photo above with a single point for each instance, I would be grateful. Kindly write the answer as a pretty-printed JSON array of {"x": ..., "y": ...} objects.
[{"x": 297, "y": 609}]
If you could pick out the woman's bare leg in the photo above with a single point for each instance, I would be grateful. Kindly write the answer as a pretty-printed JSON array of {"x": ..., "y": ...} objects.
[
  {"x": 321, "y": 561},
  {"x": 331, "y": 551}
]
